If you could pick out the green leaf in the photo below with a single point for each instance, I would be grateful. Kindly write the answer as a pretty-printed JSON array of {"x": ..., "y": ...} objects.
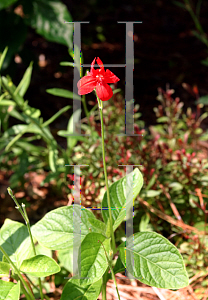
[
  {"x": 176, "y": 186},
  {"x": 57, "y": 227},
  {"x": 66, "y": 259},
  {"x": 144, "y": 222},
  {"x": 119, "y": 205},
  {"x": 54, "y": 117},
  {"x": 151, "y": 193},
  {"x": 15, "y": 241},
  {"x": 40, "y": 266},
  {"x": 6, "y": 3},
  {"x": 98, "y": 225},
  {"x": 67, "y": 64},
  {"x": 10, "y": 88},
  {"x": 119, "y": 267},
  {"x": 7, "y": 103},
  {"x": 93, "y": 260},
  {"x": 65, "y": 132},
  {"x": 151, "y": 182},
  {"x": 205, "y": 62},
  {"x": 25, "y": 82},
  {"x": 53, "y": 156},
  {"x": 9, "y": 290},
  {"x": 72, "y": 290},
  {"x": 179, "y": 4},
  {"x": 63, "y": 93},
  {"x": 4, "y": 269},
  {"x": 71, "y": 141},
  {"x": 156, "y": 261},
  {"x": 48, "y": 17},
  {"x": 203, "y": 100},
  {"x": 163, "y": 119},
  {"x": 3, "y": 55}
]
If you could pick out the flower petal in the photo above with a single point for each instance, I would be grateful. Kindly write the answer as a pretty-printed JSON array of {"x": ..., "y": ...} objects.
[
  {"x": 92, "y": 66},
  {"x": 100, "y": 63},
  {"x": 86, "y": 84},
  {"x": 104, "y": 91},
  {"x": 110, "y": 77}
]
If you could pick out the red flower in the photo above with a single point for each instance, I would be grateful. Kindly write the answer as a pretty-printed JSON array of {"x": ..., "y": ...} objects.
[{"x": 97, "y": 79}]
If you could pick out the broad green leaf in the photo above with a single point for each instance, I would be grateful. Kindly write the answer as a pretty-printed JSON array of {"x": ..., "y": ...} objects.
[
  {"x": 119, "y": 204},
  {"x": 9, "y": 290},
  {"x": 14, "y": 239},
  {"x": 73, "y": 291},
  {"x": 47, "y": 18},
  {"x": 25, "y": 82},
  {"x": 43, "y": 251},
  {"x": 63, "y": 93},
  {"x": 93, "y": 259},
  {"x": 40, "y": 266},
  {"x": 156, "y": 261},
  {"x": 98, "y": 225},
  {"x": 54, "y": 117},
  {"x": 4, "y": 269},
  {"x": 57, "y": 229},
  {"x": 66, "y": 259}
]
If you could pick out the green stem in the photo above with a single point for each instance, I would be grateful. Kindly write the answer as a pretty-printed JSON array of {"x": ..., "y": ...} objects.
[
  {"x": 33, "y": 246},
  {"x": 28, "y": 291},
  {"x": 106, "y": 177},
  {"x": 113, "y": 275},
  {"x": 104, "y": 285},
  {"x": 24, "y": 291},
  {"x": 25, "y": 217}
]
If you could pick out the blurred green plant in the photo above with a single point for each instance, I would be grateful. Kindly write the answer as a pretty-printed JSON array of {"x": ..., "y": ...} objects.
[
  {"x": 46, "y": 17},
  {"x": 194, "y": 11}
]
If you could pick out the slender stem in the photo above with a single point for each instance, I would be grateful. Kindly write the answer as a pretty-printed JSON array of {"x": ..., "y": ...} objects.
[
  {"x": 24, "y": 291},
  {"x": 104, "y": 289},
  {"x": 106, "y": 177},
  {"x": 34, "y": 251},
  {"x": 113, "y": 275},
  {"x": 28, "y": 292},
  {"x": 25, "y": 217}
]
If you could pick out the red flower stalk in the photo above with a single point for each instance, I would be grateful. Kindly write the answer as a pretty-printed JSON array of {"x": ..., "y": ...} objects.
[{"x": 97, "y": 79}]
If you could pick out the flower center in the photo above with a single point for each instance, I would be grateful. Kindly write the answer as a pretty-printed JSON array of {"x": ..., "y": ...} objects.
[{"x": 99, "y": 78}]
